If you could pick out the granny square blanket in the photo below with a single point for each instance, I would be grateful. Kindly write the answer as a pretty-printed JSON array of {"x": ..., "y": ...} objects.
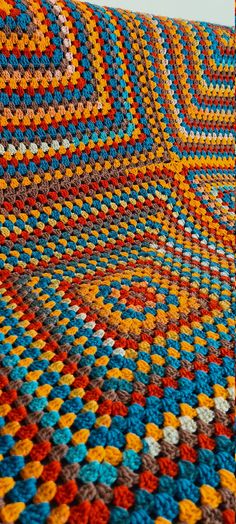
[{"x": 116, "y": 267}]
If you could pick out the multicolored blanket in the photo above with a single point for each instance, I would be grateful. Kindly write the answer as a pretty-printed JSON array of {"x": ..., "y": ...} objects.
[{"x": 116, "y": 267}]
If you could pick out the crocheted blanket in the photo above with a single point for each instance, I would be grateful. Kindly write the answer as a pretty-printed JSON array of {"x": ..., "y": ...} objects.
[{"x": 116, "y": 267}]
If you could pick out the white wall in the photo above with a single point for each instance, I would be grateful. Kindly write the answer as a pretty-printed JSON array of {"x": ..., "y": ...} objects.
[{"x": 215, "y": 11}]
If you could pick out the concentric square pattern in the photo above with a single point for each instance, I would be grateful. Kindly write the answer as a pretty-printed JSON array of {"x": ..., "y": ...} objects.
[{"x": 116, "y": 267}]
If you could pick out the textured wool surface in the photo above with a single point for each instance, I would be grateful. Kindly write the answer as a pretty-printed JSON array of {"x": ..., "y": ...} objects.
[{"x": 116, "y": 267}]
